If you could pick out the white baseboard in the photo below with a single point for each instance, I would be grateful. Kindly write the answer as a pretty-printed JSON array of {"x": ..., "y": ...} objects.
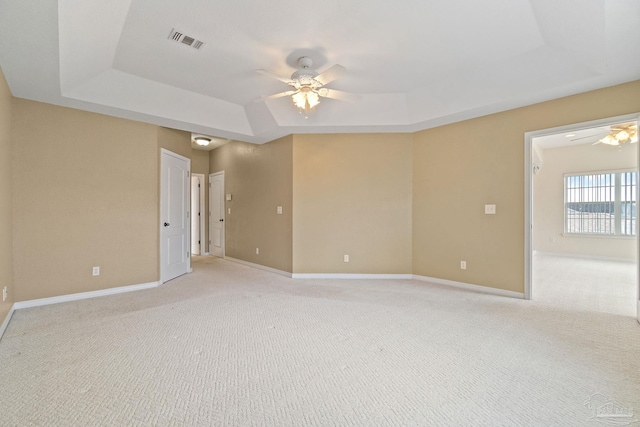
[
  {"x": 83, "y": 295},
  {"x": 6, "y": 321},
  {"x": 638, "y": 312},
  {"x": 470, "y": 287},
  {"x": 350, "y": 276},
  {"x": 258, "y": 266}
]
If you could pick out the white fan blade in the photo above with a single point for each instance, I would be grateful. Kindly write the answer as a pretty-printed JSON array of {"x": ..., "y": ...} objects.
[
  {"x": 286, "y": 80},
  {"x": 277, "y": 95},
  {"x": 590, "y": 136},
  {"x": 331, "y": 74},
  {"x": 339, "y": 95}
]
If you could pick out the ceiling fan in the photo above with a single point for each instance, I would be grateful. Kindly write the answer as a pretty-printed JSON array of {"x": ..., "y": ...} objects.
[
  {"x": 620, "y": 134},
  {"x": 308, "y": 86}
]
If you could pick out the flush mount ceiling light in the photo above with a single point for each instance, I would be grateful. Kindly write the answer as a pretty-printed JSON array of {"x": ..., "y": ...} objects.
[
  {"x": 309, "y": 87},
  {"x": 202, "y": 141}
]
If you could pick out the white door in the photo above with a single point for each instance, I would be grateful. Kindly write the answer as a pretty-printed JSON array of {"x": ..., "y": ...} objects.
[
  {"x": 216, "y": 214},
  {"x": 174, "y": 216},
  {"x": 195, "y": 214}
]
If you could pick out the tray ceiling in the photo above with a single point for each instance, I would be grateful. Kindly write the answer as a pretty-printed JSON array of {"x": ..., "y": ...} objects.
[{"x": 415, "y": 64}]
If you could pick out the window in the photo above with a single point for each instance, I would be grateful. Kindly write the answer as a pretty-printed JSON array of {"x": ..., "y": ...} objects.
[{"x": 600, "y": 203}]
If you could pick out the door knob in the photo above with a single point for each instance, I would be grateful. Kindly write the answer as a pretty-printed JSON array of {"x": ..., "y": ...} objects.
[
  {"x": 221, "y": 219},
  {"x": 166, "y": 224}
]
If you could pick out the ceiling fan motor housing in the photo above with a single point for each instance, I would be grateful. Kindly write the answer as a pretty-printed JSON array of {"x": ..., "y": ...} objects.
[{"x": 305, "y": 76}]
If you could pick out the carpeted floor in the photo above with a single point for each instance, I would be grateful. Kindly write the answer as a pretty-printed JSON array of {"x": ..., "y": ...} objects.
[
  {"x": 229, "y": 345},
  {"x": 585, "y": 284}
]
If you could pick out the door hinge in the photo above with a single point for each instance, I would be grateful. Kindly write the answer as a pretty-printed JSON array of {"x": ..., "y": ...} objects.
[
  {"x": 187, "y": 214},
  {"x": 187, "y": 254},
  {"x": 188, "y": 173},
  {"x": 198, "y": 185}
]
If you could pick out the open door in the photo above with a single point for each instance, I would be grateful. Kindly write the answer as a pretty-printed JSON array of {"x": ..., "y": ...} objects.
[
  {"x": 216, "y": 214},
  {"x": 175, "y": 258},
  {"x": 197, "y": 214}
]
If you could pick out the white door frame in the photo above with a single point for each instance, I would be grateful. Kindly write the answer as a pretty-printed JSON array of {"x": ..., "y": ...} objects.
[
  {"x": 203, "y": 184},
  {"x": 212, "y": 221},
  {"x": 528, "y": 193},
  {"x": 164, "y": 152}
]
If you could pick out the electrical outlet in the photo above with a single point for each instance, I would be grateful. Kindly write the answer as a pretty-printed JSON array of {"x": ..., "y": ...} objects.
[
  {"x": 257, "y": 251},
  {"x": 346, "y": 258},
  {"x": 4, "y": 294},
  {"x": 279, "y": 210},
  {"x": 96, "y": 271},
  {"x": 463, "y": 265}
]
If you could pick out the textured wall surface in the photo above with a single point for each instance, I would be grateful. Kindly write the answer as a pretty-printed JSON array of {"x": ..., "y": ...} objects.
[
  {"x": 352, "y": 196},
  {"x": 259, "y": 179},
  {"x": 460, "y": 167},
  {"x": 85, "y": 194},
  {"x": 6, "y": 234}
]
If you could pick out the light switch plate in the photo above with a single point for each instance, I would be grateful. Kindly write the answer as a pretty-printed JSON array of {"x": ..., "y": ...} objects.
[
  {"x": 228, "y": 198},
  {"x": 490, "y": 209}
]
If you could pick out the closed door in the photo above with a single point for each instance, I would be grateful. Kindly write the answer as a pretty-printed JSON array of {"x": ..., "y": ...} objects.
[
  {"x": 174, "y": 216},
  {"x": 216, "y": 214}
]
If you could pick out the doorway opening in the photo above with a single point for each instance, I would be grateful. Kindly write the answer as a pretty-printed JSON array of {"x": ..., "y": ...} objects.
[
  {"x": 217, "y": 214},
  {"x": 198, "y": 243},
  {"x": 581, "y": 187}
]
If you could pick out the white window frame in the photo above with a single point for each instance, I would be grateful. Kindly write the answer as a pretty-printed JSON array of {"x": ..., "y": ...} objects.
[{"x": 615, "y": 231}]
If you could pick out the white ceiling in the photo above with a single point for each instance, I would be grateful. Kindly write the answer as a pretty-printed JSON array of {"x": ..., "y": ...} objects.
[{"x": 416, "y": 64}]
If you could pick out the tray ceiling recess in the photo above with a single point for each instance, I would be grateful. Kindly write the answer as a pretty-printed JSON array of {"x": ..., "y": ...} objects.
[{"x": 194, "y": 66}]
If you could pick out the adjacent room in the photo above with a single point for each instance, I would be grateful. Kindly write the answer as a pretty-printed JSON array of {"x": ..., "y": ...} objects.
[
  {"x": 584, "y": 218},
  {"x": 348, "y": 213}
]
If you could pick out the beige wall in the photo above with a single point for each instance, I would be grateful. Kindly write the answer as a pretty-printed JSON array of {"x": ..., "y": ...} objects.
[
  {"x": 177, "y": 141},
  {"x": 548, "y": 199},
  {"x": 259, "y": 178},
  {"x": 85, "y": 194},
  {"x": 200, "y": 164},
  {"x": 200, "y": 161},
  {"x": 352, "y": 195},
  {"x": 460, "y": 167},
  {"x": 6, "y": 234}
]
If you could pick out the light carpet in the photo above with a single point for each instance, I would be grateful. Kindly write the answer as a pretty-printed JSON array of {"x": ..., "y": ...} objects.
[
  {"x": 229, "y": 345},
  {"x": 588, "y": 284}
]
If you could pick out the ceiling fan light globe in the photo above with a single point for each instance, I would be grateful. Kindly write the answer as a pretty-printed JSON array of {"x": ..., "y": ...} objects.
[
  {"x": 313, "y": 99},
  {"x": 623, "y": 135},
  {"x": 299, "y": 99},
  {"x": 609, "y": 140}
]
